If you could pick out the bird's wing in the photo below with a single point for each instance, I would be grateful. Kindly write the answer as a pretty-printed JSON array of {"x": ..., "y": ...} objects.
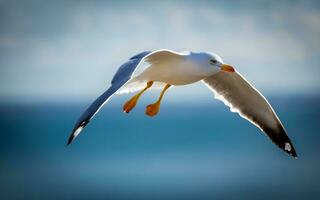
[
  {"x": 162, "y": 57},
  {"x": 123, "y": 74},
  {"x": 237, "y": 93}
]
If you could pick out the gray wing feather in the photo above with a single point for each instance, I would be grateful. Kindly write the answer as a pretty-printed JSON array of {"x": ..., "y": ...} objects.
[
  {"x": 123, "y": 74},
  {"x": 126, "y": 70},
  {"x": 237, "y": 93}
]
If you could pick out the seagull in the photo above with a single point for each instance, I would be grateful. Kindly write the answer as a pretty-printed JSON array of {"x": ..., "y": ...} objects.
[{"x": 166, "y": 68}]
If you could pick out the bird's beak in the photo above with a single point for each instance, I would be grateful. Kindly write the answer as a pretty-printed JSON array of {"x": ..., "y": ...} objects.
[{"x": 227, "y": 68}]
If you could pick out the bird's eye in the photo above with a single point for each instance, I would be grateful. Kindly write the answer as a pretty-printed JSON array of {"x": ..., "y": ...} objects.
[{"x": 213, "y": 62}]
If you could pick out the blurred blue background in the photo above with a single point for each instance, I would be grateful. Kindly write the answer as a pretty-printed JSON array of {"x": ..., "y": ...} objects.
[{"x": 56, "y": 57}]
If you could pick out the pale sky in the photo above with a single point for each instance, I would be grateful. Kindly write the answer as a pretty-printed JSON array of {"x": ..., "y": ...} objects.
[{"x": 69, "y": 50}]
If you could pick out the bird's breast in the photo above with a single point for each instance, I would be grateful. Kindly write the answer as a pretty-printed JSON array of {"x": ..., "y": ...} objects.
[{"x": 178, "y": 73}]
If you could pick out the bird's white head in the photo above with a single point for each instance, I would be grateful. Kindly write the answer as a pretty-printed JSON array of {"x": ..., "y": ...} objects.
[
  {"x": 212, "y": 61},
  {"x": 218, "y": 63}
]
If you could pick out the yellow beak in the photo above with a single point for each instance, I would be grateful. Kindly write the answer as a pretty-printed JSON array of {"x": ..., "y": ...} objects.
[{"x": 227, "y": 68}]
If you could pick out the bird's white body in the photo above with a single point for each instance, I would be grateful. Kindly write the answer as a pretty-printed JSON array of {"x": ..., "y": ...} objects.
[
  {"x": 168, "y": 67},
  {"x": 169, "y": 70}
]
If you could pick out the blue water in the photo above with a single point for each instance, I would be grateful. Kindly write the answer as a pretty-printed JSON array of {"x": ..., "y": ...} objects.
[{"x": 187, "y": 152}]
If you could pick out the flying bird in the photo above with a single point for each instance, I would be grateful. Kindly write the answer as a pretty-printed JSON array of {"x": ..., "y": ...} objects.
[{"x": 166, "y": 68}]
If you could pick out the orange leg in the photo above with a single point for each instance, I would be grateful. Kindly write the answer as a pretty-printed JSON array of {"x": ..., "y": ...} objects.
[
  {"x": 129, "y": 105},
  {"x": 153, "y": 109}
]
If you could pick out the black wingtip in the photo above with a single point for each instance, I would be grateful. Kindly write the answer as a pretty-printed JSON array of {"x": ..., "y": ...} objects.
[
  {"x": 71, "y": 137},
  {"x": 77, "y": 130},
  {"x": 281, "y": 139},
  {"x": 288, "y": 148},
  {"x": 294, "y": 155}
]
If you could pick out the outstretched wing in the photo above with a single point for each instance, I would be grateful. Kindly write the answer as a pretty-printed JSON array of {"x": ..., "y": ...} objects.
[
  {"x": 123, "y": 74},
  {"x": 237, "y": 93}
]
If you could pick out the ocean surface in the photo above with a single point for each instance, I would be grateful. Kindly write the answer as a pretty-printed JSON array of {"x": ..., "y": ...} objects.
[{"x": 195, "y": 151}]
